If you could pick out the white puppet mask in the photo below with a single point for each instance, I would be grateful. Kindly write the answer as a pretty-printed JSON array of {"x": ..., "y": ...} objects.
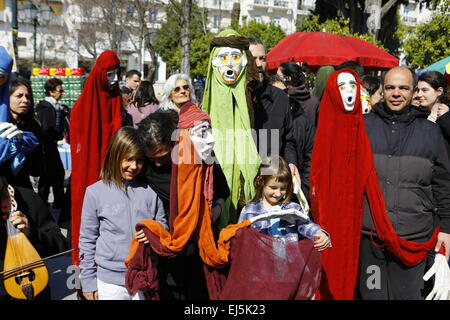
[
  {"x": 229, "y": 62},
  {"x": 347, "y": 87},
  {"x": 112, "y": 76}
]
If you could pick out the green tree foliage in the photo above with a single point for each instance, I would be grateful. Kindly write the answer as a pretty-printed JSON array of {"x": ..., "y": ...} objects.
[
  {"x": 200, "y": 54},
  {"x": 269, "y": 33},
  {"x": 338, "y": 25},
  {"x": 430, "y": 41},
  {"x": 168, "y": 39}
]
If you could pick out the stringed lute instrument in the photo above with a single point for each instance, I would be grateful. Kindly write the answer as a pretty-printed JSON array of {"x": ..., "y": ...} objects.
[{"x": 26, "y": 274}]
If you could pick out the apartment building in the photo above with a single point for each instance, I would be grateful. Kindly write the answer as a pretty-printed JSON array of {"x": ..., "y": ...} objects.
[
  {"x": 282, "y": 12},
  {"x": 56, "y": 32}
]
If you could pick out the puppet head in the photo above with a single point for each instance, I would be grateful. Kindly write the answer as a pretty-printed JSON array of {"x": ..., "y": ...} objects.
[
  {"x": 106, "y": 71},
  {"x": 229, "y": 62},
  {"x": 6, "y": 62},
  {"x": 347, "y": 87},
  {"x": 112, "y": 76}
]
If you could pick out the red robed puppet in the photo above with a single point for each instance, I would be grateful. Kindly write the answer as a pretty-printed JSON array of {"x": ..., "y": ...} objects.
[
  {"x": 342, "y": 170},
  {"x": 95, "y": 117}
]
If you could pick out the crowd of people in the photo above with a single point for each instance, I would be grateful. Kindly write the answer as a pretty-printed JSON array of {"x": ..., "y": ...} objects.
[{"x": 173, "y": 198}]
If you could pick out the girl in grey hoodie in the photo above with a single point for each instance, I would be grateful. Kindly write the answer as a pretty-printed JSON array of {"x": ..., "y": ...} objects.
[{"x": 111, "y": 209}]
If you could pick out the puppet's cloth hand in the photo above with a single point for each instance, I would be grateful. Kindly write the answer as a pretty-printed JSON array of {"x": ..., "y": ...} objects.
[
  {"x": 9, "y": 130},
  {"x": 441, "y": 271}
]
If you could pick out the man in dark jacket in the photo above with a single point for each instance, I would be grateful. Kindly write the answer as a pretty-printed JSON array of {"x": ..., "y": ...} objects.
[
  {"x": 49, "y": 113},
  {"x": 272, "y": 112},
  {"x": 413, "y": 171},
  {"x": 304, "y": 129}
]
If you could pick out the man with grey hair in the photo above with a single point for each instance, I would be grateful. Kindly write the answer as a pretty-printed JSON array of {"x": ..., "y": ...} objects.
[{"x": 413, "y": 171}]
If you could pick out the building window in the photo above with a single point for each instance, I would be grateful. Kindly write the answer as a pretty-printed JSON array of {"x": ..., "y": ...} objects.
[
  {"x": 277, "y": 21},
  {"x": 216, "y": 21},
  {"x": 130, "y": 11},
  {"x": 258, "y": 19},
  {"x": 153, "y": 15}
]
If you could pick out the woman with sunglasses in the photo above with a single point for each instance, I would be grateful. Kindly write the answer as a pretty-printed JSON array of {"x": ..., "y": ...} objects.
[
  {"x": 178, "y": 90},
  {"x": 49, "y": 113}
]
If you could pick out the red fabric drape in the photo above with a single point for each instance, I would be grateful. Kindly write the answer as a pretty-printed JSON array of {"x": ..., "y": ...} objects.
[
  {"x": 95, "y": 117},
  {"x": 267, "y": 268},
  {"x": 342, "y": 170}
]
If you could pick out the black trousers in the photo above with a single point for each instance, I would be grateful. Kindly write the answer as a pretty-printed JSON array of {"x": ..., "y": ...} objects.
[
  {"x": 182, "y": 277},
  {"x": 52, "y": 176},
  {"x": 383, "y": 276}
]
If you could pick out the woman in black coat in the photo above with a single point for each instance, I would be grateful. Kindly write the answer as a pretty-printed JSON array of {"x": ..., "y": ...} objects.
[
  {"x": 22, "y": 115},
  {"x": 432, "y": 93}
]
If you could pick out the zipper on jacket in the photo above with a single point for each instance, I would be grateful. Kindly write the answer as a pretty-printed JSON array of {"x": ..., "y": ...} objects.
[{"x": 129, "y": 211}]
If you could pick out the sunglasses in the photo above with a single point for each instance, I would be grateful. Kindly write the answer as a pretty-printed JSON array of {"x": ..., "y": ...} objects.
[
  {"x": 61, "y": 91},
  {"x": 178, "y": 89}
]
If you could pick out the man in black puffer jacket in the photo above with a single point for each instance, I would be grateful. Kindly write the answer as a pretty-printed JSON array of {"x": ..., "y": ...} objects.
[{"x": 413, "y": 169}]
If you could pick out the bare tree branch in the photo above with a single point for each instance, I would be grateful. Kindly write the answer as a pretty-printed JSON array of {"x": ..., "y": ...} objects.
[{"x": 387, "y": 6}]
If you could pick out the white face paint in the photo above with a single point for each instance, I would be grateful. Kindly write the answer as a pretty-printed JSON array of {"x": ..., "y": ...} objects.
[
  {"x": 112, "y": 76},
  {"x": 229, "y": 62},
  {"x": 347, "y": 87}
]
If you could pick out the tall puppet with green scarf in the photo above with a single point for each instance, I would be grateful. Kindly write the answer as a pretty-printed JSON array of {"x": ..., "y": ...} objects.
[{"x": 230, "y": 68}]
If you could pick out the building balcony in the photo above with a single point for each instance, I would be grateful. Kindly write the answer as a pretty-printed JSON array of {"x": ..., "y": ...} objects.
[
  {"x": 409, "y": 21},
  {"x": 271, "y": 4},
  {"x": 305, "y": 7},
  {"x": 281, "y": 4},
  {"x": 263, "y": 3}
]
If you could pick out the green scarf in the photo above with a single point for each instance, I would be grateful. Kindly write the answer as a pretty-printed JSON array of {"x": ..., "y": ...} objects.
[
  {"x": 321, "y": 80},
  {"x": 234, "y": 148}
]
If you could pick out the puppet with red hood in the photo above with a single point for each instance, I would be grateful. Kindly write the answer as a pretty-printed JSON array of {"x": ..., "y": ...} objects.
[
  {"x": 95, "y": 117},
  {"x": 342, "y": 172}
]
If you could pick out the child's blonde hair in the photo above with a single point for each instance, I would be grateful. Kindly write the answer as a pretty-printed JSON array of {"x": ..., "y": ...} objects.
[
  {"x": 124, "y": 145},
  {"x": 274, "y": 167}
]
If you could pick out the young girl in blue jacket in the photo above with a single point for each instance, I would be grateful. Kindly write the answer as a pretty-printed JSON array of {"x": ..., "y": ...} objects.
[{"x": 111, "y": 209}]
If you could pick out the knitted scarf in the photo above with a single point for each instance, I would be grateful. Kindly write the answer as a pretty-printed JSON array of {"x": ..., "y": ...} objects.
[{"x": 228, "y": 107}]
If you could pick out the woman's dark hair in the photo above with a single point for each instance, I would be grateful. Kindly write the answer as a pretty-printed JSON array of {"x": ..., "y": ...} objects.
[
  {"x": 145, "y": 94},
  {"x": 353, "y": 65},
  {"x": 293, "y": 73},
  {"x": 371, "y": 83},
  {"x": 157, "y": 128},
  {"x": 16, "y": 83},
  {"x": 436, "y": 80},
  {"x": 51, "y": 84}
]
